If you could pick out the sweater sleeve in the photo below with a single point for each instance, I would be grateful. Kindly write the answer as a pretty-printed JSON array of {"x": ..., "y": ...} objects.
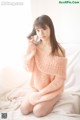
[
  {"x": 55, "y": 87},
  {"x": 29, "y": 56}
]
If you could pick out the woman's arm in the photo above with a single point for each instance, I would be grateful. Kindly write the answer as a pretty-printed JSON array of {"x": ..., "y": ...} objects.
[{"x": 53, "y": 86}]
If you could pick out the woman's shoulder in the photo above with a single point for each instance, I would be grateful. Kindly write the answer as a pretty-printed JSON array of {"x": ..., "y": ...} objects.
[{"x": 61, "y": 51}]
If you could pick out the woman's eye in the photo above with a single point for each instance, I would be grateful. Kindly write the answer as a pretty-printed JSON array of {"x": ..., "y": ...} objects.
[{"x": 38, "y": 30}]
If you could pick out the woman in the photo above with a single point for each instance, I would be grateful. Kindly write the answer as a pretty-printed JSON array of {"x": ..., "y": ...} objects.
[{"x": 45, "y": 58}]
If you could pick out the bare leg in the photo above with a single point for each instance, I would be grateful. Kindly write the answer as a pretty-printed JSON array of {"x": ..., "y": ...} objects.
[
  {"x": 26, "y": 107},
  {"x": 45, "y": 108}
]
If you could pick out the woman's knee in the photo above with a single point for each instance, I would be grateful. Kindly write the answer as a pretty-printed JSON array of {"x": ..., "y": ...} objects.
[
  {"x": 39, "y": 111},
  {"x": 25, "y": 108}
]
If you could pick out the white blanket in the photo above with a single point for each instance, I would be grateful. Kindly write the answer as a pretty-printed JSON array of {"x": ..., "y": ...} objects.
[{"x": 67, "y": 106}]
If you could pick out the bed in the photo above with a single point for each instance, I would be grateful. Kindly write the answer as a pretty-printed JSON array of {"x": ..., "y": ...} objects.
[{"x": 14, "y": 85}]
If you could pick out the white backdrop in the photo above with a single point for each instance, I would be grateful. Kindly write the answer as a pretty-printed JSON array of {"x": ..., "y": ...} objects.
[
  {"x": 15, "y": 23},
  {"x": 66, "y": 18}
]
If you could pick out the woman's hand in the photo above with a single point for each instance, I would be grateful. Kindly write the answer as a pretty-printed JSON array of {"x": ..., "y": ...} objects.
[
  {"x": 34, "y": 97},
  {"x": 34, "y": 39}
]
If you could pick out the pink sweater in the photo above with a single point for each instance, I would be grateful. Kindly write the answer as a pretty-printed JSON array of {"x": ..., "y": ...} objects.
[{"x": 48, "y": 74}]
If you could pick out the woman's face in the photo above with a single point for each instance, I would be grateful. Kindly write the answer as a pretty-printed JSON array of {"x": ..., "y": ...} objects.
[{"x": 43, "y": 33}]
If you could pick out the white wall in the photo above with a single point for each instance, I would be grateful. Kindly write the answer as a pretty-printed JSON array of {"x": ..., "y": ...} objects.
[
  {"x": 15, "y": 24},
  {"x": 66, "y": 18}
]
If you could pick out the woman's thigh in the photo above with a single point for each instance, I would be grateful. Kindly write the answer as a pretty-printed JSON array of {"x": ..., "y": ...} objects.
[
  {"x": 26, "y": 107},
  {"x": 46, "y": 107}
]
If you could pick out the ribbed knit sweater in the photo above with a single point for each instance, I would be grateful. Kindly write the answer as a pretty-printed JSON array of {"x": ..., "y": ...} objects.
[{"x": 48, "y": 74}]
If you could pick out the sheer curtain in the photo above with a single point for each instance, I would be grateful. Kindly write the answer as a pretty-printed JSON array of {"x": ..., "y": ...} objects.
[{"x": 15, "y": 24}]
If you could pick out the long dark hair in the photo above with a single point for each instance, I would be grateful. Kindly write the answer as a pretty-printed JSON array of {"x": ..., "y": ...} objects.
[{"x": 42, "y": 21}]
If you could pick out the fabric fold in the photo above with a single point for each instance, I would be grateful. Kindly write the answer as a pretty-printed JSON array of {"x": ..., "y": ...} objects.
[{"x": 53, "y": 66}]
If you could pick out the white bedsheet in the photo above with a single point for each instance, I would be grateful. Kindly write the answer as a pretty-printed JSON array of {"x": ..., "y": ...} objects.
[{"x": 67, "y": 107}]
